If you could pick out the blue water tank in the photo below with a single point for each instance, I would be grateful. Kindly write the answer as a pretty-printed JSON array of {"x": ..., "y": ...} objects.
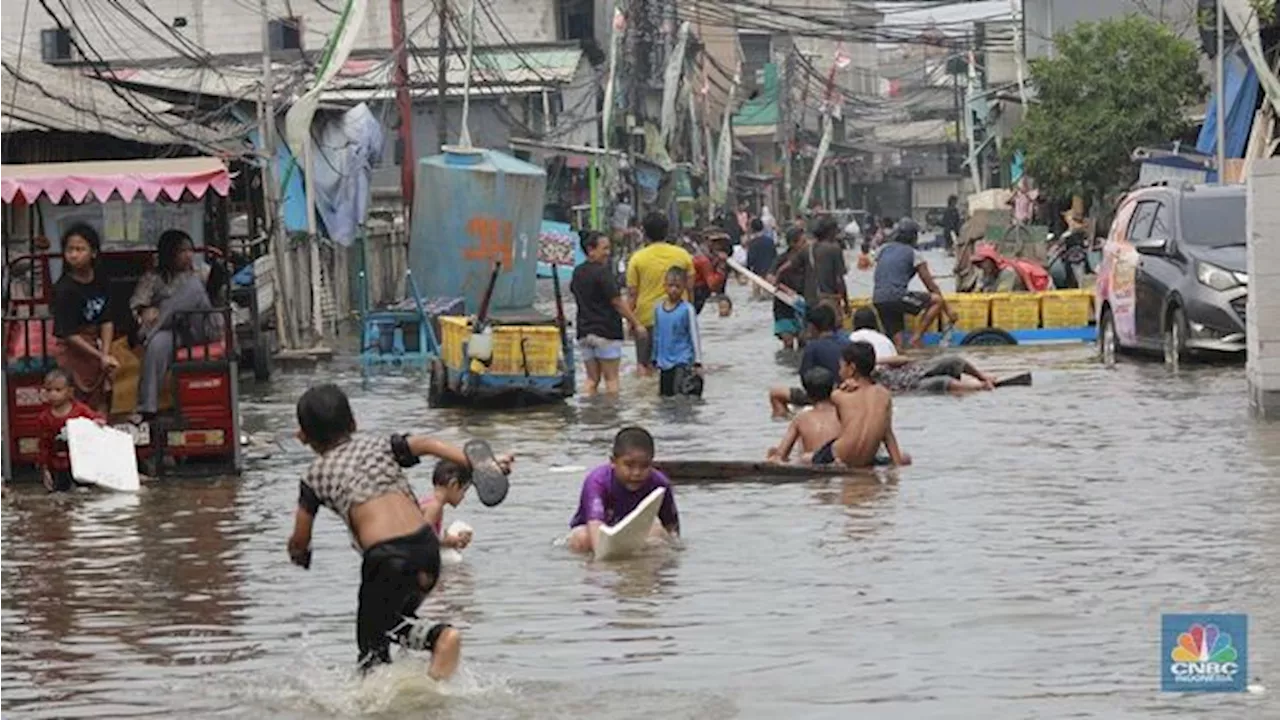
[{"x": 472, "y": 207}]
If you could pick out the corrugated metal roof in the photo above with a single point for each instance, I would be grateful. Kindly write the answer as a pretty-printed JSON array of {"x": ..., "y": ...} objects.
[{"x": 40, "y": 97}]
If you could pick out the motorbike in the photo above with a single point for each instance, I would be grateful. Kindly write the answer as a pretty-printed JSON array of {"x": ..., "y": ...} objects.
[{"x": 1069, "y": 260}]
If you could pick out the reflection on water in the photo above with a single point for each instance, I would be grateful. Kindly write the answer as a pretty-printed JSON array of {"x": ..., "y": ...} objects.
[{"x": 1018, "y": 569}]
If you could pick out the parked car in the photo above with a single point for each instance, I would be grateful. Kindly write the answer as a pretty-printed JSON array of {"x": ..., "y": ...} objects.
[{"x": 1173, "y": 278}]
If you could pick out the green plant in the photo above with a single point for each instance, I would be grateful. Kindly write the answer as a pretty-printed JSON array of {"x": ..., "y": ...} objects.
[{"x": 1112, "y": 86}]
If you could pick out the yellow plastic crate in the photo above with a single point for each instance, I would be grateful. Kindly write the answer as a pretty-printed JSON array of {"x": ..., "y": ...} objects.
[
  {"x": 1015, "y": 311},
  {"x": 973, "y": 310},
  {"x": 855, "y": 304},
  {"x": 513, "y": 346},
  {"x": 1066, "y": 308},
  {"x": 912, "y": 322}
]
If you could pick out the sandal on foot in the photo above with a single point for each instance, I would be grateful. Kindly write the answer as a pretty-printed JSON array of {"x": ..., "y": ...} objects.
[{"x": 490, "y": 482}]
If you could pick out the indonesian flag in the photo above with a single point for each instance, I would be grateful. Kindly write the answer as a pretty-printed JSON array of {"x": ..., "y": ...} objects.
[
  {"x": 842, "y": 59},
  {"x": 619, "y": 20}
]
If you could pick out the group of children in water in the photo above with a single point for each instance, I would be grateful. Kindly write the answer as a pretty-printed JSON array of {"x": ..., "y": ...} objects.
[{"x": 362, "y": 479}]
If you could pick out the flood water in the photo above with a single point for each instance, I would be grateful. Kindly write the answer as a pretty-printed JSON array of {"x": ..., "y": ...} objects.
[{"x": 1017, "y": 570}]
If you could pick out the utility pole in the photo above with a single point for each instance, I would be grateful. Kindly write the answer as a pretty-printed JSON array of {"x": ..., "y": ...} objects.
[
  {"x": 283, "y": 277},
  {"x": 787, "y": 131},
  {"x": 1220, "y": 91},
  {"x": 404, "y": 105},
  {"x": 442, "y": 75}
]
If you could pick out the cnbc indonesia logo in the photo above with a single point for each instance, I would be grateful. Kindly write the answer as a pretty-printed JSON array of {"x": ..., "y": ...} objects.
[{"x": 1204, "y": 656}]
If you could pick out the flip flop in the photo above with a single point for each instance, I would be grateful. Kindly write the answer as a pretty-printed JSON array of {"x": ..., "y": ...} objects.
[
  {"x": 490, "y": 482},
  {"x": 1021, "y": 379}
]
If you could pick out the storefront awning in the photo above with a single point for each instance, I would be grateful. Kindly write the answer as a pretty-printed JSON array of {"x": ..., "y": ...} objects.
[{"x": 171, "y": 178}]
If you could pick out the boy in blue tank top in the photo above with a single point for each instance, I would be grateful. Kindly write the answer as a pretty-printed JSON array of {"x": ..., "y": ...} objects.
[{"x": 677, "y": 344}]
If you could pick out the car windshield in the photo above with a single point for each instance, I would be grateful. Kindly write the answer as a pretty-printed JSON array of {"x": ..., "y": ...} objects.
[{"x": 1214, "y": 221}]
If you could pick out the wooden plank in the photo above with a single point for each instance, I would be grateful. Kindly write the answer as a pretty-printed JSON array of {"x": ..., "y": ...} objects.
[{"x": 713, "y": 471}]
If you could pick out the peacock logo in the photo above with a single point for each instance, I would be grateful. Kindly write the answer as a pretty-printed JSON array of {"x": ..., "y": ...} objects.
[
  {"x": 1205, "y": 653},
  {"x": 1203, "y": 644}
]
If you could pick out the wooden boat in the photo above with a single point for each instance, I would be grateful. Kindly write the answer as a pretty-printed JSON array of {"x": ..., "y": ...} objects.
[{"x": 689, "y": 472}]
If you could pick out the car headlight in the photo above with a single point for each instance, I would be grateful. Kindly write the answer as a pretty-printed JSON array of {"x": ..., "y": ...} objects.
[{"x": 1217, "y": 278}]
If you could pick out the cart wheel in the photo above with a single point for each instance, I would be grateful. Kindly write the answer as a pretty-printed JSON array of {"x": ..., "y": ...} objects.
[
  {"x": 437, "y": 384},
  {"x": 989, "y": 336}
]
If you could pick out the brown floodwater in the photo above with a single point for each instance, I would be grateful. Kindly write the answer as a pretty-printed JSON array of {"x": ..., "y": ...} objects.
[{"x": 1017, "y": 570}]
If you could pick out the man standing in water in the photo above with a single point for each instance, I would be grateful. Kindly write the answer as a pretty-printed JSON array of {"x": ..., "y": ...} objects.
[
  {"x": 600, "y": 313},
  {"x": 647, "y": 281}
]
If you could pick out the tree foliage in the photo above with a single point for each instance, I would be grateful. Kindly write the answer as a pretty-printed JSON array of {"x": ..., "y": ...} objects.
[{"x": 1112, "y": 86}]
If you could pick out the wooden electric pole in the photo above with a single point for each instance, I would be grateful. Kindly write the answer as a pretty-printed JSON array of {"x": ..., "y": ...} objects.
[
  {"x": 442, "y": 76},
  {"x": 404, "y": 104}
]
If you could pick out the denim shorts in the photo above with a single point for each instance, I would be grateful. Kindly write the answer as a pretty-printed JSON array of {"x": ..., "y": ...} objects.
[{"x": 594, "y": 348}]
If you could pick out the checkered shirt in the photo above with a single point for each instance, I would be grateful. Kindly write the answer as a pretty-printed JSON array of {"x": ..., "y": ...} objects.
[{"x": 357, "y": 471}]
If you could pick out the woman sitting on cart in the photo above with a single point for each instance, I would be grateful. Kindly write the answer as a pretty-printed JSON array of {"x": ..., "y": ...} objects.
[
  {"x": 82, "y": 319},
  {"x": 172, "y": 307}
]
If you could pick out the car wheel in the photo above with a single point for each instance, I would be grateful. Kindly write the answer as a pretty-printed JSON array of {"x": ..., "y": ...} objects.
[
  {"x": 989, "y": 336},
  {"x": 1108, "y": 341},
  {"x": 1175, "y": 338}
]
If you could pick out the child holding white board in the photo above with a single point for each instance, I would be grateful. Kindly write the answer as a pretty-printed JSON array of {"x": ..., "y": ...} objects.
[{"x": 611, "y": 491}]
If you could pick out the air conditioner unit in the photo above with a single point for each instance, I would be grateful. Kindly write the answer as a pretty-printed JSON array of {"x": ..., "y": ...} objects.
[
  {"x": 285, "y": 34},
  {"x": 55, "y": 45}
]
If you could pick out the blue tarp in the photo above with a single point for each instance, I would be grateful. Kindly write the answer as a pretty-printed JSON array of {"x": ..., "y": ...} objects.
[{"x": 1242, "y": 101}]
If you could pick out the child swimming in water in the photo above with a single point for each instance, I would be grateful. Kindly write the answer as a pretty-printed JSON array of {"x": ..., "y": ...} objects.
[
  {"x": 815, "y": 426},
  {"x": 866, "y": 414},
  {"x": 362, "y": 480},
  {"x": 613, "y": 490},
  {"x": 449, "y": 484}
]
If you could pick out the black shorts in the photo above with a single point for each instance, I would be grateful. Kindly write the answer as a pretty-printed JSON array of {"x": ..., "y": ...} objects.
[
  {"x": 826, "y": 455},
  {"x": 893, "y": 313},
  {"x": 679, "y": 380},
  {"x": 390, "y": 592}
]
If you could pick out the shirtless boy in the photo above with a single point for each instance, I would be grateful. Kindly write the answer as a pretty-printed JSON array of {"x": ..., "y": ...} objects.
[
  {"x": 815, "y": 426},
  {"x": 362, "y": 480},
  {"x": 866, "y": 414}
]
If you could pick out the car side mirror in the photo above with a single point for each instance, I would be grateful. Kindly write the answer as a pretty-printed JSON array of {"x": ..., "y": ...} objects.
[{"x": 1151, "y": 246}]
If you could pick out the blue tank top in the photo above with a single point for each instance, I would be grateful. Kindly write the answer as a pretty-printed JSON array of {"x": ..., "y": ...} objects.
[{"x": 894, "y": 269}]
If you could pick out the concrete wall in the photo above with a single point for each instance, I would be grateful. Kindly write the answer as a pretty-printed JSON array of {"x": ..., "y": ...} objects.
[
  {"x": 232, "y": 26},
  {"x": 1046, "y": 18},
  {"x": 1263, "y": 309}
]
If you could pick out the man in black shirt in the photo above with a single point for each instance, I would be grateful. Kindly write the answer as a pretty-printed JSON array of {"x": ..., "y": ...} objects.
[
  {"x": 600, "y": 313},
  {"x": 828, "y": 267}
]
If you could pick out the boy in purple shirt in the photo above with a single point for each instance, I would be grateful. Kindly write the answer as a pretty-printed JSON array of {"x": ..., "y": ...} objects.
[{"x": 612, "y": 491}]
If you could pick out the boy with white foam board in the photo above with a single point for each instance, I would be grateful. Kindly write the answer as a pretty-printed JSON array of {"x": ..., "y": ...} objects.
[{"x": 611, "y": 491}]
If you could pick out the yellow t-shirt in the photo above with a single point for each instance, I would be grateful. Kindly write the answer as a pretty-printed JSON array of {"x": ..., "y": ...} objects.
[{"x": 647, "y": 273}]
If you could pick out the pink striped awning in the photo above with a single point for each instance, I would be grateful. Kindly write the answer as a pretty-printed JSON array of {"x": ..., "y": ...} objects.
[{"x": 171, "y": 178}]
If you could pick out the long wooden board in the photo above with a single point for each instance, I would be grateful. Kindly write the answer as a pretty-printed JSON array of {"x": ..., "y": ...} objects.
[
  {"x": 712, "y": 471},
  {"x": 792, "y": 299}
]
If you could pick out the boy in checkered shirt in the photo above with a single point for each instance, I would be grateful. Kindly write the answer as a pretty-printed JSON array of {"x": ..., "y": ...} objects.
[{"x": 362, "y": 480}]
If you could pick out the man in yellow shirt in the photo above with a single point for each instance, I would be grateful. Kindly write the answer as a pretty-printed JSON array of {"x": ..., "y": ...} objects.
[{"x": 646, "y": 280}]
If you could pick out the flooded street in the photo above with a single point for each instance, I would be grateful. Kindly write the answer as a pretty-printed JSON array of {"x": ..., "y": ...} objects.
[{"x": 1018, "y": 569}]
